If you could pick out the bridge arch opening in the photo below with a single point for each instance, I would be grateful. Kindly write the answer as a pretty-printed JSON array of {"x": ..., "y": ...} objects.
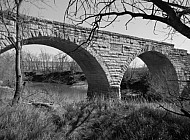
[
  {"x": 88, "y": 61},
  {"x": 158, "y": 69}
]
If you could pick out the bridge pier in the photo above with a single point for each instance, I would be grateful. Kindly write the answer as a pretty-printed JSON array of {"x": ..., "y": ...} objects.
[{"x": 114, "y": 92}]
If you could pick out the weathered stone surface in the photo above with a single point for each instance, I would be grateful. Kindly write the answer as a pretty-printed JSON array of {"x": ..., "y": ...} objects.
[{"x": 107, "y": 58}]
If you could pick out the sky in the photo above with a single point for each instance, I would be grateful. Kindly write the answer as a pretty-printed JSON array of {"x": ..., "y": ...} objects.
[{"x": 138, "y": 27}]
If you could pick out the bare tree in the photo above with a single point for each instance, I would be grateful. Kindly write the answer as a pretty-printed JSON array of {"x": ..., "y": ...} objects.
[
  {"x": 102, "y": 13},
  {"x": 47, "y": 62},
  {"x": 30, "y": 61},
  {"x": 45, "y": 59},
  {"x": 60, "y": 58},
  {"x": 11, "y": 10},
  {"x": 14, "y": 7}
]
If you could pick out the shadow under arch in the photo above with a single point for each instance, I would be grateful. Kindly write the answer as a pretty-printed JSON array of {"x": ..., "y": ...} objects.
[
  {"x": 164, "y": 75},
  {"x": 93, "y": 69},
  {"x": 163, "y": 72}
]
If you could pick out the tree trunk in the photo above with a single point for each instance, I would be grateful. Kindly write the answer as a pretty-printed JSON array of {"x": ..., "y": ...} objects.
[
  {"x": 18, "y": 47},
  {"x": 18, "y": 88}
]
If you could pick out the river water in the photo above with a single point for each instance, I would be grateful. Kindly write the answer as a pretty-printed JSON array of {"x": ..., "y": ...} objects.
[{"x": 54, "y": 91}]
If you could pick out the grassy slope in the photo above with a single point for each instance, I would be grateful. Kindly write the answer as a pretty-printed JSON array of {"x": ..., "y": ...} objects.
[{"x": 90, "y": 121}]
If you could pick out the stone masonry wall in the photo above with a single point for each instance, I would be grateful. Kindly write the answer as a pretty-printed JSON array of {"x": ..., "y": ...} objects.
[{"x": 113, "y": 51}]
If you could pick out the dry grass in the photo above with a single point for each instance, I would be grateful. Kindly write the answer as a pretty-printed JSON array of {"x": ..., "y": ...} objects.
[
  {"x": 83, "y": 120},
  {"x": 88, "y": 121}
]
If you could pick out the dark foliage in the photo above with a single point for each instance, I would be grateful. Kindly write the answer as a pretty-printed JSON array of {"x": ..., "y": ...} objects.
[
  {"x": 140, "y": 84},
  {"x": 66, "y": 77}
]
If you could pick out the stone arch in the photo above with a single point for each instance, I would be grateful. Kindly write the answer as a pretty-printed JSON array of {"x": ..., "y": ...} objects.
[
  {"x": 89, "y": 61},
  {"x": 162, "y": 69}
]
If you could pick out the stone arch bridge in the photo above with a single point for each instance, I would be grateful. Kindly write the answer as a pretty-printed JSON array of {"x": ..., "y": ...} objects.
[{"x": 105, "y": 60}]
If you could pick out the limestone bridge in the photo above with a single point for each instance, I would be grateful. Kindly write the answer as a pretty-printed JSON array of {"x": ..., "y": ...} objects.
[{"x": 105, "y": 60}]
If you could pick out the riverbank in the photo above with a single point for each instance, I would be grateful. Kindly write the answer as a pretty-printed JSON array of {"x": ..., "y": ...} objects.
[
  {"x": 66, "y": 77},
  {"x": 92, "y": 120}
]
